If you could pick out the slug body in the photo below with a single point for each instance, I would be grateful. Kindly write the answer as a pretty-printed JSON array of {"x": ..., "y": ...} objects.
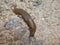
[{"x": 28, "y": 20}]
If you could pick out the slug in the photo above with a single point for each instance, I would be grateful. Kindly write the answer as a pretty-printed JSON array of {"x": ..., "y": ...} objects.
[{"x": 27, "y": 19}]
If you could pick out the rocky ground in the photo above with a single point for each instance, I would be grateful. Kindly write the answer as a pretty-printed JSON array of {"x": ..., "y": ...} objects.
[{"x": 46, "y": 15}]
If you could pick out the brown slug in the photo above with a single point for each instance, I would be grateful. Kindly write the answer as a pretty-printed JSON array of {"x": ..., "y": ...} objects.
[{"x": 27, "y": 19}]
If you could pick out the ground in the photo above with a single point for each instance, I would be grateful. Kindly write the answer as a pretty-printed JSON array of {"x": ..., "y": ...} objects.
[{"x": 46, "y": 15}]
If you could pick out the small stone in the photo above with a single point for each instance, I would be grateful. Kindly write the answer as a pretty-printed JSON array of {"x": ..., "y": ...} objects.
[
  {"x": 13, "y": 22},
  {"x": 37, "y": 2},
  {"x": 21, "y": 0},
  {"x": 43, "y": 19}
]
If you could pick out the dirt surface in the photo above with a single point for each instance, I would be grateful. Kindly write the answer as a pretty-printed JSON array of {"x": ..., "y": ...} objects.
[{"x": 46, "y": 15}]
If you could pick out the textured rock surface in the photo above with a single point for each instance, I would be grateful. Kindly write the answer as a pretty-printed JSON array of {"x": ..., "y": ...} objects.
[{"x": 45, "y": 13}]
